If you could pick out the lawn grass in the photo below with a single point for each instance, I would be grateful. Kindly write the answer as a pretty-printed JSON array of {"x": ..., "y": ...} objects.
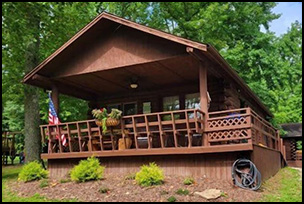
[
  {"x": 285, "y": 186},
  {"x": 10, "y": 173}
]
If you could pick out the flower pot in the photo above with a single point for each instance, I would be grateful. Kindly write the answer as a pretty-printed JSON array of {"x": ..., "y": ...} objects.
[{"x": 124, "y": 145}]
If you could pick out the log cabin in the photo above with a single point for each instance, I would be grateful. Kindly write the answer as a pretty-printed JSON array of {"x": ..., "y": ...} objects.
[
  {"x": 183, "y": 106},
  {"x": 290, "y": 139}
]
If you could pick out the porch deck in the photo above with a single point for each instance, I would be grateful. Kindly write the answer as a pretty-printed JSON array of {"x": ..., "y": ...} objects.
[{"x": 164, "y": 133}]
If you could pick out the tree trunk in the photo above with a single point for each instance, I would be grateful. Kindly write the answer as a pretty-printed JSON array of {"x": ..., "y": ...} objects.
[{"x": 31, "y": 103}]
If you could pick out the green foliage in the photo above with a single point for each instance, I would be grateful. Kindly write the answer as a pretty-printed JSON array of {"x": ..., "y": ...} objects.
[
  {"x": 87, "y": 170},
  {"x": 115, "y": 114},
  {"x": 44, "y": 183},
  {"x": 299, "y": 145},
  {"x": 149, "y": 175},
  {"x": 64, "y": 180},
  {"x": 182, "y": 191},
  {"x": 103, "y": 190},
  {"x": 32, "y": 171},
  {"x": 172, "y": 199},
  {"x": 100, "y": 114},
  {"x": 188, "y": 181}
]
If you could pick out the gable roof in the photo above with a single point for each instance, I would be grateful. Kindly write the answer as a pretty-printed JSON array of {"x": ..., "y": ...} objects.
[
  {"x": 207, "y": 49},
  {"x": 293, "y": 129}
]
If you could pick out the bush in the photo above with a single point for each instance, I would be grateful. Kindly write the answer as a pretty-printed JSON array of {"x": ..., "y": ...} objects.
[
  {"x": 44, "y": 183},
  {"x": 87, "y": 170},
  {"x": 188, "y": 181},
  {"x": 171, "y": 199},
  {"x": 182, "y": 192},
  {"x": 149, "y": 175},
  {"x": 32, "y": 171}
]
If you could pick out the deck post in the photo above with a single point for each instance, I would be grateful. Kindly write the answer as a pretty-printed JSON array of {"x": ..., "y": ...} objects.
[
  {"x": 55, "y": 98},
  {"x": 203, "y": 96}
]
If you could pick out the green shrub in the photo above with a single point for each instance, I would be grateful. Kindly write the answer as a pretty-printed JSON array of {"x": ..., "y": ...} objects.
[
  {"x": 44, "y": 183},
  {"x": 149, "y": 175},
  {"x": 171, "y": 199},
  {"x": 188, "y": 181},
  {"x": 182, "y": 192},
  {"x": 87, "y": 170},
  {"x": 32, "y": 171},
  {"x": 103, "y": 190}
]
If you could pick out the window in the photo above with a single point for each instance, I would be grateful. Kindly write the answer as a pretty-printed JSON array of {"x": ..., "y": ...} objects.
[
  {"x": 129, "y": 108},
  {"x": 192, "y": 101},
  {"x": 170, "y": 103},
  {"x": 111, "y": 106},
  {"x": 146, "y": 107}
]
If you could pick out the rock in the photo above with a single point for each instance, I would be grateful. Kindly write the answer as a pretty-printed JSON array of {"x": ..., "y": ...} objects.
[
  {"x": 127, "y": 193},
  {"x": 209, "y": 194}
]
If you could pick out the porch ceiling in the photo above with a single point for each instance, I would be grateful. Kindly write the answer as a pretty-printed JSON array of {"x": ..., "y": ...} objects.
[{"x": 151, "y": 76}]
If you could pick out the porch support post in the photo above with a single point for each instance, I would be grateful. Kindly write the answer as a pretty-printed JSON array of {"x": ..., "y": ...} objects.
[
  {"x": 55, "y": 98},
  {"x": 203, "y": 98},
  {"x": 203, "y": 86}
]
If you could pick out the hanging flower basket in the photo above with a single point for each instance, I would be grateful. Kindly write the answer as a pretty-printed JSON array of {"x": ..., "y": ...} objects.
[
  {"x": 104, "y": 120},
  {"x": 109, "y": 122}
]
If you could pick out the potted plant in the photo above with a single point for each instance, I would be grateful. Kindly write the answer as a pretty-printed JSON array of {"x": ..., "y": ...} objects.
[{"x": 104, "y": 119}]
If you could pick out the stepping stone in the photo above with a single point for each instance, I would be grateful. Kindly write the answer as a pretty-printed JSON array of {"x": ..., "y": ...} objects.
[{"x": 209, "y": 194}]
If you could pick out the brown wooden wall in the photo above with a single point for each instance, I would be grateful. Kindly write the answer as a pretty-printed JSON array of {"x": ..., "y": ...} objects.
[
  {"x": 266, "y": 160},
  {"x": 212, "y": 165}
]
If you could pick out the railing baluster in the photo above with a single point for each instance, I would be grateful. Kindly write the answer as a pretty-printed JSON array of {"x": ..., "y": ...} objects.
[
  {"x": 90, "y": 137},
  {"x": 79, "y": 136},
  {"x": 100, "y": 138},
  {"x": 148, "y": 132},
  {"x": 69, "y": 137},
  {"x": 50, "y": 149},
  {"x": 122, "y": 122},
  {"x": 59, "y": 138},
  {"x": 174, "y": 129},
  {"x": 188, "y": 130},
  {"x": 160, "y": 131},
  {"x": 135, "y": 132}
]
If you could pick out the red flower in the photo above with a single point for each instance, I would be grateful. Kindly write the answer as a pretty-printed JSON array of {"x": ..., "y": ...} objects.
[{"x": 101, "y": 109}]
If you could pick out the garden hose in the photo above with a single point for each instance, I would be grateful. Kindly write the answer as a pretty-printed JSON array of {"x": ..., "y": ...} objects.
[{"x": 250, "y": 180}]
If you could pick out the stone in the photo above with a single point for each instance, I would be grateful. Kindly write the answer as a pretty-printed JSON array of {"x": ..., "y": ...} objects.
[{"x": 209, "y": 194}]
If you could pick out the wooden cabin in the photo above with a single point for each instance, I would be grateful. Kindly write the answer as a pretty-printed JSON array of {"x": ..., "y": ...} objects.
[
  {"x": 183, "y": 106},
  {"x": 290, "y": 139}
]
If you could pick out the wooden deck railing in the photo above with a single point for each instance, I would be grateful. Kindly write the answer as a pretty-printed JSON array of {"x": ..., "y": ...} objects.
[
  {"x": 172, "y": 129},
  {"x": 240, "y": 126}
]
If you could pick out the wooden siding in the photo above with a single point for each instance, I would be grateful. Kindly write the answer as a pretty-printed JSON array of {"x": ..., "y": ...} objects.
[
  {"x": 268, "y": 161},
  {"x": 213, "y": 165}
]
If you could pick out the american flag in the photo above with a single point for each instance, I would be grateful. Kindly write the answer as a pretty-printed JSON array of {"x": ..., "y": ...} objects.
[{"x": 54, "y": 120}]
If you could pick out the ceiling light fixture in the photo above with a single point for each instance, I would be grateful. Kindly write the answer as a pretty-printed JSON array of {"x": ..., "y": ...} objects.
[{"x": 134, "y": 83}]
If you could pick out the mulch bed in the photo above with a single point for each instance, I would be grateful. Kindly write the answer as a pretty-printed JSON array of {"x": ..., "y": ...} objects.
[{"x": 122, "y": 190}]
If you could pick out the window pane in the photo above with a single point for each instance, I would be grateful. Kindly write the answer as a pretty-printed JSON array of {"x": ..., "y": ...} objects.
[
  {"x": 192, "y": 101},
  {"x": 170, "y": 103},
  {"x": 130, "y": 109},
  {"x": 146, "y": 107},
  {"x": 111, "y": 106}
]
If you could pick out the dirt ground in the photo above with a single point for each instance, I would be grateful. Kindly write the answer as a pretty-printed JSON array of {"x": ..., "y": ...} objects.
[{"x": 123, "y": 190}]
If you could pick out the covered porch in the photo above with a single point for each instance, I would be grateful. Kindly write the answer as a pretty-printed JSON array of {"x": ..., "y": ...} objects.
[{"x": 185, "y": 132}]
